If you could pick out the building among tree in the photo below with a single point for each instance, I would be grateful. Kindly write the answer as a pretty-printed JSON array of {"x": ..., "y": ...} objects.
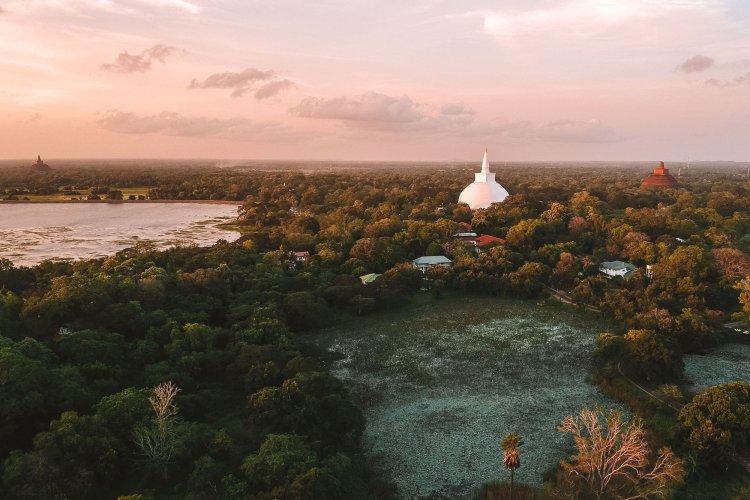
[
  {"x": 430, "y": 261},
  {"x": 40, "y": 166},
  {"x": 617, "y": 268},
  {"x": 660, "y": 178},
  {"x": 485, "y": 190}
]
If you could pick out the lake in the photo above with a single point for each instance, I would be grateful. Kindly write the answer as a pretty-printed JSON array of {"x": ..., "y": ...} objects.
[
  {"x": 32, "y": 232},
  {"x": 441, "y": 384}
]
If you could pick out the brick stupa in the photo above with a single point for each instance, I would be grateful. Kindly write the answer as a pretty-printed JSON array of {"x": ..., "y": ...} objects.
[
  {"x": 40, "y": 166},
  {"x": 660, "y": 178}
]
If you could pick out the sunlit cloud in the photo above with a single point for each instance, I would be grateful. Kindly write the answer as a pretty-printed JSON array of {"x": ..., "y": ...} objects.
[
  {"x": 128, "y": 63},
  {"x": 696, "y": 64},
  {"x": 371, "y": 108},
  {"x": 384, "y": 113},
  {"x": 175, "y": 124},
  {"x": 245, "y": 81},
  {"x": 111, "y": 6},
  {"x": 270, "y": 89},
  {"x": 732, "y": 82},
  {"x": 592, "y": 18}
]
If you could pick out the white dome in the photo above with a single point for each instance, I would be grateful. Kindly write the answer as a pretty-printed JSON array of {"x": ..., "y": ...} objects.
[
  {"x": 482, "y": 194},
  {"x": 485, "y": 190}
]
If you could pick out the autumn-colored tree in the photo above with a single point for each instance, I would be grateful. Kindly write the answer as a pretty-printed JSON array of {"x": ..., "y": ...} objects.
[
  {"x": 614, "y": 459},
  {"x": 717, "y": 421},
  {"x": 511, "y": 455}
]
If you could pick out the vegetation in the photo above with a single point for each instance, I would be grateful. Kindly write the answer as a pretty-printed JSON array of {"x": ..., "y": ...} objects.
[
  {"x": 511, "y": 455},
  {"x": 84, "y": 345}
]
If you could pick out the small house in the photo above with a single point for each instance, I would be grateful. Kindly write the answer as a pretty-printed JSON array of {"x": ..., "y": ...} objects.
[
  {"x": 369, "y": 278},
  {"x": 617, "y": 268},
  {"x": 300, "y": 257},
  {"x": 431, "y": 261}
]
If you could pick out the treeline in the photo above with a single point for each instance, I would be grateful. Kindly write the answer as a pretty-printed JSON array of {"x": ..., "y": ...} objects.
[
  {"x": 216, "y": 322},
  {"x": 83, "y": 345}
]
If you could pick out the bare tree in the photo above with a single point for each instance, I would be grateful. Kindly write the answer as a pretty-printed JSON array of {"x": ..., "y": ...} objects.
[
  {"x": 157, "y": 440},
  {"x": 613, "y": 459}
]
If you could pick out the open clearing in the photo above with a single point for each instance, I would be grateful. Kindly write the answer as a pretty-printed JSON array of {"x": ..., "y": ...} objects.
[
  {"x": 725, "y": 363},
  {"x": 441, "y": 384}
]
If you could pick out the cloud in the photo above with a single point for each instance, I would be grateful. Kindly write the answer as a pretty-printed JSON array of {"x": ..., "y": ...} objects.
[
  {"x": 127, "y": 63},
  {"x": 175, "y": 124},
  {"x": 456, "y": 109},
  {"x": 384, "y": 113},
  {"x": 591, "y": 131},
  {"x": 734, "y": 82},
  {"x": 244, "y": 82},
  {"x": 696, "y": 64},
  {"x": 371, "y": 109},
  {"x": 270, "y": 89},
  {"x": 583, "y": 19},
  {"x": 129, "y": 7}
]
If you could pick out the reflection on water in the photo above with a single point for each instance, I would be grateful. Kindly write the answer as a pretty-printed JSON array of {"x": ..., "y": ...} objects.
[{"x": 32, "y": 232}]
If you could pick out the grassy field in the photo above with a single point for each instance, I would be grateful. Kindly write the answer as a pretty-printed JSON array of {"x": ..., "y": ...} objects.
[
  {"x": 135, "y": 191},
  {"x": 441, "y": 384},
  {"x": 725, "y": 363}
]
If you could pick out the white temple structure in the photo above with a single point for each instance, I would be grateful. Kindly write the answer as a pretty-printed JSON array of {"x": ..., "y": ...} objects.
[{"x": 485, "y": 190}]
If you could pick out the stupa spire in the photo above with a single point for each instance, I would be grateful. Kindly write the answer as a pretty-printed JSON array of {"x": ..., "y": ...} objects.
[{"x": 485, "y": 163}]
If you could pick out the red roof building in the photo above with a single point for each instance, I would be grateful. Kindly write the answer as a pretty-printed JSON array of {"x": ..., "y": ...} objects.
[
  {"x": 487, "y": 240},
  {"x": 660, "y": 178}
]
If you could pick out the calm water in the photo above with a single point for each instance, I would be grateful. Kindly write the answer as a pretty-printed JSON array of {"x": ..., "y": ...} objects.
[
  {"x": 32, "y": 232},
  {"x": 442, "y": 384}
]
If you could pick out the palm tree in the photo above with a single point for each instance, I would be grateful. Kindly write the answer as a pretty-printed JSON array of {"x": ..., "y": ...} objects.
[{"x": 511, "y": 455}]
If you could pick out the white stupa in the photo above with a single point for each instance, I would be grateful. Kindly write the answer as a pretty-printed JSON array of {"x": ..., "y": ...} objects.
[{"x": 485, "y": 190}]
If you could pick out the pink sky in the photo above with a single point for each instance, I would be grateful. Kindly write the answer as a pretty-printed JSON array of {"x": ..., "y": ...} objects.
[{"x": 376, "y": 80}]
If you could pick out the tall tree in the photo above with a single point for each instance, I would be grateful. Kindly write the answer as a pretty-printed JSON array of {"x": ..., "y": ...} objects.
[
  {"x": 511, "y": 455},
  {"x": 158, "y": 440}
]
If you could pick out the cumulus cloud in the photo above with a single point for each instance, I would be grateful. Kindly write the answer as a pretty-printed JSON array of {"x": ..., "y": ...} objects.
[
  {"x": 245, "y": 81},
  {"x": 128, "y": 63},
  {"x": 696, "y": 64},
  {"x": 456, "y": 109},
  {"x": 176, "y": 124},
  {"x": 733, "y": 82},
  {"x": 270, "y": 89},
  {"x": 372, "y": 108},
  {"x": 381, "y": 112}
]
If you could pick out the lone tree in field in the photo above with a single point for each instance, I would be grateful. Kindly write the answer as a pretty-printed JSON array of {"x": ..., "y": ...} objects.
[
  {"x": 614, "y": 458},
  {"x": 157, "y": 440},
  {"x": 511, "y": 455}
]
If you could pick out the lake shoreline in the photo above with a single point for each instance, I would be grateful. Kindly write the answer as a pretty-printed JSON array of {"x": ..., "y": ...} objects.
[{"x": 117, "y": 202}]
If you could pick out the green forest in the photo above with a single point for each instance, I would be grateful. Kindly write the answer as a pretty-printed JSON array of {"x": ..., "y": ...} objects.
[{"x": 183, "y": 373}]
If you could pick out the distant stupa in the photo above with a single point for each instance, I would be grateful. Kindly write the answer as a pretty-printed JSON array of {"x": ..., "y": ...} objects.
[
  {"x": 40, "y": 166},
  {"x": 660, "y": 178},
  {"x": 485, "y": 190}
]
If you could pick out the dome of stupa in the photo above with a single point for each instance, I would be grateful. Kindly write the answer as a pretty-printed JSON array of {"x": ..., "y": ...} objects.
[{"x": 485, "y": 190}]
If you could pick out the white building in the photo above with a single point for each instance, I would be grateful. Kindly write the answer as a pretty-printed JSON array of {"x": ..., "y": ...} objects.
[
  {"x": 485, "y": 190},
  {"x": 617, "y": 268},
  {"x": 425, "y": 263}
]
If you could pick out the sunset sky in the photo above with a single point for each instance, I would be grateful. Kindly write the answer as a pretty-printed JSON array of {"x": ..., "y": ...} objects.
[{"x": 376, "y": 80}]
